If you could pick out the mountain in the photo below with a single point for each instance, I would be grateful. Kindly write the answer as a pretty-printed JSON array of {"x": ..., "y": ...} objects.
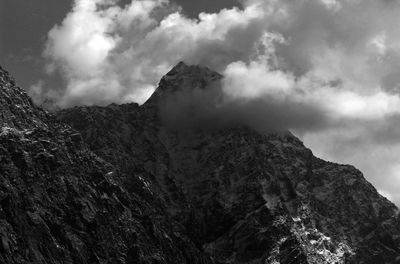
[
  {"x": 120, "y": 184},
  {"x": 61, "y": 203},
  {"x": 242, "y": 195}
]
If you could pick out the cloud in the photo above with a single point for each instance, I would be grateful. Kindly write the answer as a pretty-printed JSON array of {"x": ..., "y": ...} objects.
[
  {"x": 124, "y": 50},
  {"x": 326, "y": 69},
  {"x": 212, "y": 108},
  {"x": 108, "y": 53}
]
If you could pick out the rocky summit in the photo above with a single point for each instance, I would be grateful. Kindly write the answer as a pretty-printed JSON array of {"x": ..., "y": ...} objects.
[{"x": 118, "y": 184}]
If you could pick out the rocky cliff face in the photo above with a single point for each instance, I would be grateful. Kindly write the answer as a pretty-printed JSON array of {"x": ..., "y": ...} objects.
[
  {"x": 127, "y": 188},
  {"x": 61, "y": 203},
  {"x": 243, "y": 196}
]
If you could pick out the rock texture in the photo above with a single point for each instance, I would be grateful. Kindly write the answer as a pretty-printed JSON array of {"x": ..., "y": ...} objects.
[
  {"x": 61, "y": 203},
  {"x": 243, "y": 196},
  {"x": 127, "y": 188}
]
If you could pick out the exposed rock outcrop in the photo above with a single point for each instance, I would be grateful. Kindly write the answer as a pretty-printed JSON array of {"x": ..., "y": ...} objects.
[
  {"x": 242, "y": 196},
  {"x": 121, "y": 186},
  {"x": 61, "y": 203}
]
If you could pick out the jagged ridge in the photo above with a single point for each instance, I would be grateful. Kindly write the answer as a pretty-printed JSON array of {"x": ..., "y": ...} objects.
[
  {"x": 61, "y": 203},
  {"x": 244, "y": 196}
]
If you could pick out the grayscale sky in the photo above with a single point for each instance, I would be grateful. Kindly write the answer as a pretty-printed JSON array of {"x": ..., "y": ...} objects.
[{"x": 24, "y": 25}]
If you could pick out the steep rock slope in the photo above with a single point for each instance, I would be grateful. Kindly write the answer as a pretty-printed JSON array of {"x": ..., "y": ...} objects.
[
  {"x": 61, "y": 203},
  {"x": 243, "y": 196}
]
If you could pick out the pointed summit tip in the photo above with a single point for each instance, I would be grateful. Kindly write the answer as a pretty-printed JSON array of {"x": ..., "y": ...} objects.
[
  {"x": 183, "y": 71},
  {"x": 190, "y": 70},
  {"x": 181, "y": 66},
  {"x": 184, "y": 77}
]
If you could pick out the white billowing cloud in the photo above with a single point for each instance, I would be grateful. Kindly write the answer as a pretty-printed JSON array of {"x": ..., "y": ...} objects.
[
  {"x": 125, "y": 50},
  {"x": 255, "y": 80},
  {"x": 109, "y": 53},
  {"x": 82, "y": 42},
  {"x": 337, "y": 59},
  {"x": 83, "y": 49}
]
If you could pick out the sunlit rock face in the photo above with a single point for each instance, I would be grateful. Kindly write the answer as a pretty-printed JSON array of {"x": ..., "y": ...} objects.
[
  {"x": 125, "y": 186},
  {"x": 61, "y": 203}
]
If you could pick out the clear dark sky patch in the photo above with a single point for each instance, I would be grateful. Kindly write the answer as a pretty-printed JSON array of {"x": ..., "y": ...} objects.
[
  {"x": 193, "y": 8},
  {"x": 2, "y": 29},
  {"x": 23, "y": 30}
]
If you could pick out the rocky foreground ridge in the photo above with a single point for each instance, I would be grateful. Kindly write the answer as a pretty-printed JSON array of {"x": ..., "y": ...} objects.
[
  {"x": 127, "y": 188},
  {"x": 61, "y": 203}
]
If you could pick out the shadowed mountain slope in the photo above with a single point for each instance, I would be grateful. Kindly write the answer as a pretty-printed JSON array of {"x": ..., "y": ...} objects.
[
  {"x": 242, "y": 196},
  {"x": 61, "y": 203}
]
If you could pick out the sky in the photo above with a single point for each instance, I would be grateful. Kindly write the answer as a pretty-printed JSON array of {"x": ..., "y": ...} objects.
[
  {"x": 328, "y": 70},
  {"x": 24, "y": 26}
]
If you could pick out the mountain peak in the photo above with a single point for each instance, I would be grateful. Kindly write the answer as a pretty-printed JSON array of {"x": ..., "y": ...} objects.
[
  {"x": 127, "y": 189},
  {"x": 183, "y": 77},
  {"x": 178, "y": 67},
  {"x": 183, "y": 72}
]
